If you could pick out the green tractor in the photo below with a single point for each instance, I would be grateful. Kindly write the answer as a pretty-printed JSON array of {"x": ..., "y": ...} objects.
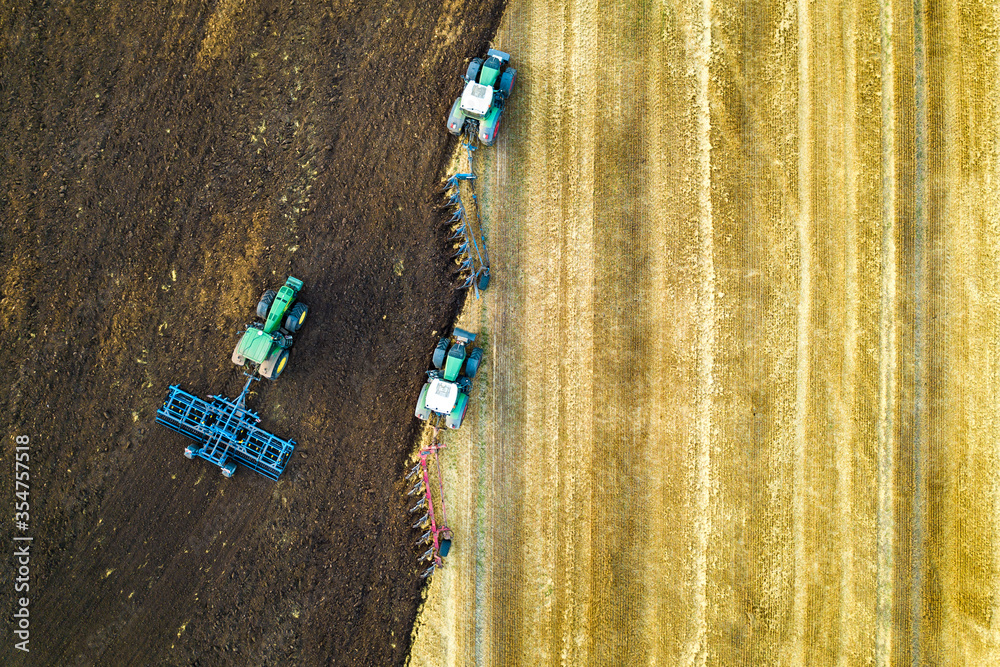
[
  {"x": 265, "y": 344},
  {"x": 488, "y": 84},
  {"x": 446, "y": 393}
]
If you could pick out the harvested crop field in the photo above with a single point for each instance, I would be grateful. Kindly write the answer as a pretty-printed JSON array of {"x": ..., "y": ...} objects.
[
  {"x": 738, "y": 401},
  {"x": 163, "y": 163}
]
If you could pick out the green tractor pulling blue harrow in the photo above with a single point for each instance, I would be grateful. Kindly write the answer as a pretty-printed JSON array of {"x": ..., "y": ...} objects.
[
  {"x": 225, "y": 432},
  {"x": 265, "y": 344}
]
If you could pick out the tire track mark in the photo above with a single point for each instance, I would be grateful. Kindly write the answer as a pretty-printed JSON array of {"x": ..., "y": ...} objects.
[
  {"x": 828, "y": 256},
  {"x": 497, "y": 634},
  {"x": 574, "y": 140},
  {"x": 920, "y": 316},
  {"x": 906, "y": 418},
  {"x": 939, "y": 61},
  {"x": 544, "y": 260},
  {"x": 499, "y": 627},
  {"x": 848, "y": 635},
  {"x": 508, "y": 366},
  {"x": 696, "y": 651},
  {"x": 887, "y": 354},
  {"x": 803, "y": 362},
  {"x": 621, "y": 327},
  {"x": 559, "y": 312},
  {"x": 671, "y": 236}
]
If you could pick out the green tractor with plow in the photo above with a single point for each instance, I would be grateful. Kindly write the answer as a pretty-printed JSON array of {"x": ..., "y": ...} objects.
[
  {"x": 446, "y": 392},
  {"x": 265, "y": 344},
  {"x": 488, "y": 84}
]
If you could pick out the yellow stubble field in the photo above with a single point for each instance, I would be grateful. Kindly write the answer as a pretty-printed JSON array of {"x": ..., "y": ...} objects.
[{"x": 741, "y": 376}]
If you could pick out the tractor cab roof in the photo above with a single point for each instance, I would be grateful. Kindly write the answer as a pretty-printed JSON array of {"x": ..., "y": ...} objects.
[
  {"x": 442, "y": 396},
  {"x": 477, "y": 99}
]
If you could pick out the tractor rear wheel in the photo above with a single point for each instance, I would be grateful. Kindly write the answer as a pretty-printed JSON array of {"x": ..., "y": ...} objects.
[
  {"x": 507, "y": 82},
  {"x": 454, "y": 420},
  {"x": 265, "y": 302},
  {"x": 456, "y": 118},
  {"x": 238, "y": 358},
  {"x": 280, "y": 364},
  {"x": 275, "y": 363},
  {"x": 487, "y": 133},
  {"x": 422, "y": 412},
  {"x": 439, "y": 353},
  {"x": 296, "y": 317},
  {"x": 472, "y": 363}
]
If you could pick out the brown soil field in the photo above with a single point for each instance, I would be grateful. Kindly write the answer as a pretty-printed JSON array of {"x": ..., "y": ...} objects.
[
  {"x": 738, "y": 401},
  {"x": 163, "y": 163}
]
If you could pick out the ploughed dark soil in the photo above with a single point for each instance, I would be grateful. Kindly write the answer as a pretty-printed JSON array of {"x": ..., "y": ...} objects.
[{"x": 162, "y": 164}]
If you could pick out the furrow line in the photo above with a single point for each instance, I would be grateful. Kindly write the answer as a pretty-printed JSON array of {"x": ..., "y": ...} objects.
[
  {"x": 576, "y": 431},
  {"x": 920, "y": 316},
  {"x": 696, "y": 652},
  {"x": 886, "y": 515},
  {"x": 620, "y": 278},
  {"x": 803, "y": 362},
  {"x": 847, "y": 640}
]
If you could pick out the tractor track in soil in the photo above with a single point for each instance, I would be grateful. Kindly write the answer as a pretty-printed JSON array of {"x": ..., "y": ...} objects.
[{"x": 162, "y": 164}]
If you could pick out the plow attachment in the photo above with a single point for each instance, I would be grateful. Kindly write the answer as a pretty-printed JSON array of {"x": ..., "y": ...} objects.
[
  {"x": 433, "y": 522},
  {"x": 470, "y": 249}
]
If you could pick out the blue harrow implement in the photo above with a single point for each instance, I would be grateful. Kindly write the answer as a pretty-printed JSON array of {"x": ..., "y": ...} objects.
[{"x": 225, "y": 432}]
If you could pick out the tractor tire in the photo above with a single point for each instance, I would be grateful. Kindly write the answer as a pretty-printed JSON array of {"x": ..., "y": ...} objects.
[
  {"x": 238, "y": 358},
  {"x": 472, "y": 363},
  {"x": 265, "y": 302},
  {"x": 423, "y": 412},
  {"x": 439, "y": 353},
  {"x": 456, "y": 118},
  {"x": 273, "y": 366},
  {"x": 507, "y": 80},
  {"x": 296, "y": 317},
  {"x": 280, "y": 364},
  {"x": 472, "y": 71},
  {"x": 485, "y": 136},
  {"x": 454, "y": 420}
]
